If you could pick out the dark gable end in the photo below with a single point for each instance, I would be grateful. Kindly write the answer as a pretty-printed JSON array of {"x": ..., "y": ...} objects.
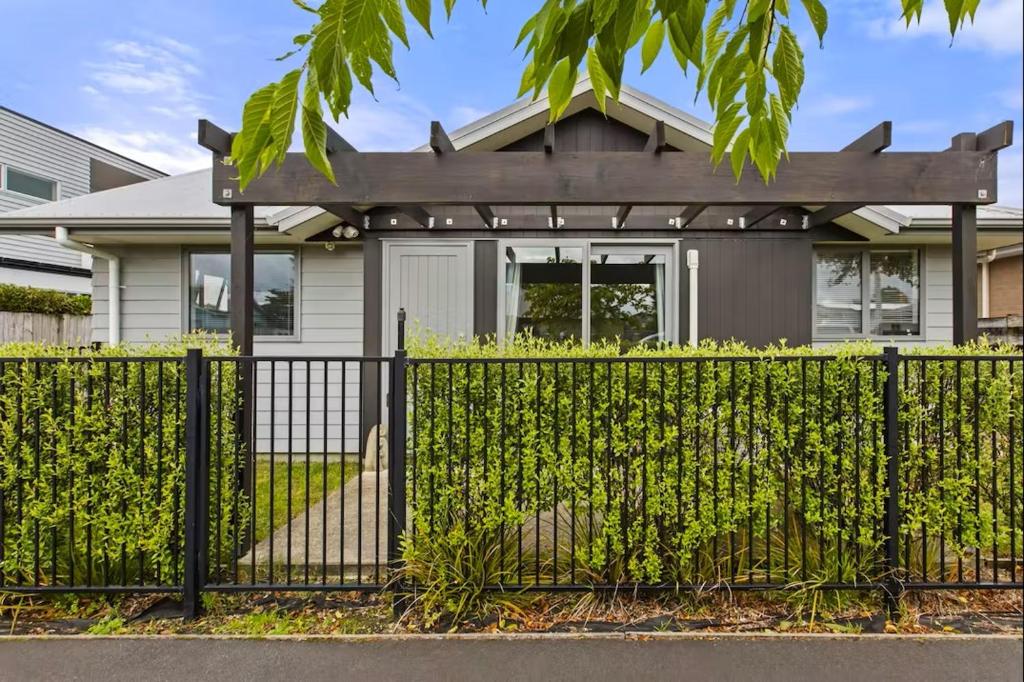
[{"x": 586, "y": 131}]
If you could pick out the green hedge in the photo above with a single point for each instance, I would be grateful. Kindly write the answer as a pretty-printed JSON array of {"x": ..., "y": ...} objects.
[
  {"x": 92, "y": 472},
  {"x": 17, "y": 299},
  {"x": 763, "y": 469}
]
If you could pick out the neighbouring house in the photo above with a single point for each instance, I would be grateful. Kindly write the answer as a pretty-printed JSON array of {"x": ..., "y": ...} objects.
[
  {"x": 1001, "y": 293},
  {"x": 40, "y": 164}
]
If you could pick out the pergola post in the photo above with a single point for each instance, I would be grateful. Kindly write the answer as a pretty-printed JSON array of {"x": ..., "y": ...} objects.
[
  {"x": 965, "y": 273},
  {"x": 242, "y": 237}
]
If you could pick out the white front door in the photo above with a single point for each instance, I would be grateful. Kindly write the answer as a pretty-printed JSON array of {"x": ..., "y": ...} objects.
[{"x": 434, "y": 283}]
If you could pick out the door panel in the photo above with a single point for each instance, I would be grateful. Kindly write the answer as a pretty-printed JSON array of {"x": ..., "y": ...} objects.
[{"x": 434, "y": 283}]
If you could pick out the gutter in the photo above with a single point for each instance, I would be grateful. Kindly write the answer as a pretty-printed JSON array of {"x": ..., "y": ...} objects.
[{"x": 60, "y": 234}]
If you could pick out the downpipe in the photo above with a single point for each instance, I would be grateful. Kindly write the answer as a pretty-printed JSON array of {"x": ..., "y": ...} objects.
[
  {"x": 60, "y": 234},
  {"x": 692, "y": 263}
]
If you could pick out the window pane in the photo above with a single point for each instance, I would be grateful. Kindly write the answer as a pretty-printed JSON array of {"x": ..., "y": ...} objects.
[
  {"x": 628, "y": 298},
  {"x": 838, "y": 287},
  {"x": 895, "y": 293},
  {"x": 273, "y": 295},
  {"x": 30, "y": 185},
  {"x": 544, "y": 291}
]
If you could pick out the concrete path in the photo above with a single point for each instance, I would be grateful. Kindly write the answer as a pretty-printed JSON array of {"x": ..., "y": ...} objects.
[
  {"x": 351, "y": 541},
  {"x": 651, "y": 656}
]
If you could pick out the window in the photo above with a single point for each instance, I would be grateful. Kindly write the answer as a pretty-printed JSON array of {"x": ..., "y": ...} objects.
[
  {"x": 274, "y": 276},
  {"x": 589, "y": 292},
  {"x": 30, "y": 185},
  {"x": 867, "y": 293}
]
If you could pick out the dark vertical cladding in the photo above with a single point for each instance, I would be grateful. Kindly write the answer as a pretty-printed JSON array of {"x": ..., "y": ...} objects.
[
  {"x": 587, "y": 131},
  {"x": 485, "y": 287},
  {"x": 753, "y": 287}
]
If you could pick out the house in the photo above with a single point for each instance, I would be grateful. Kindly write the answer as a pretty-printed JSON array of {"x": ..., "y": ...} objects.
[
  {"x": 40, "y": 164},
  {"x": 1001, "y": 293},
  {"x": 324, "y": 285}
]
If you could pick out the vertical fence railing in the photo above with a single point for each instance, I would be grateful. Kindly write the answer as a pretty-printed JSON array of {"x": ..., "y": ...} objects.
[{"x": 885, "y": 472}]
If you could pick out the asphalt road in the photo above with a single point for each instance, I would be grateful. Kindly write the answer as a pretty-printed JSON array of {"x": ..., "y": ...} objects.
[{"x": 516, "y": 657}]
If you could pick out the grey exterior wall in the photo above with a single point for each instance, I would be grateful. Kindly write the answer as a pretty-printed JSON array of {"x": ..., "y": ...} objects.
[{"x": 36, "y": 148}]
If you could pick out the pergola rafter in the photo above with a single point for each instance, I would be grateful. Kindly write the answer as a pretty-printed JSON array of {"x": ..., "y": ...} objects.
[{"x": 420, "y": 185}]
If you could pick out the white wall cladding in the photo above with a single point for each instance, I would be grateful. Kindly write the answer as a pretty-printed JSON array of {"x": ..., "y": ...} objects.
[
  {"x": 330, "y": 324},
  {"x": 38, "y": 149}
]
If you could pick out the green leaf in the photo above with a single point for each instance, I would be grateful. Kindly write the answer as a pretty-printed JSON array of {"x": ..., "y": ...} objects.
[
  {"x": 563, "y": 78},
  {"x": 788, "y": 67},
  {"x": 282, "y": 113},
  {"x": 653, "y": 40},
  {"x": 420, "y": 11},
  {"x": 392, "y": 13},
  {"x": 738, "y": 154},
  {"x": 729, "y": 119},
  {"x": 601, "y": 12},
  {"x": 598, "y": 79},
  {"x": 314, "y": 130},
  {"x": 449, "y": 5},
  {"x": 818, "y": 15}
]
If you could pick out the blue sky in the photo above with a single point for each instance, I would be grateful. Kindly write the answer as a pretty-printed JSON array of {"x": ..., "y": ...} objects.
[{"x": 135, "y": 76}]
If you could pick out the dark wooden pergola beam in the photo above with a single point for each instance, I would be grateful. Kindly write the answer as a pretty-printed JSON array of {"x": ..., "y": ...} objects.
[
  {"x": 873, "y": 141},
  {"x": 655, "y": 143},
  {"x": 690, "y": 214},
  {"x": 549, "y": 139},
  {"x": 442, "y": 144},
  {"x": 615, "y": 178},
  {"x": 214, "y": 138},
  {"x": 350, "y": 215}
]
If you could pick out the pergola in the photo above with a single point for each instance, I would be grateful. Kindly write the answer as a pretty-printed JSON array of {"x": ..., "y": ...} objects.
[{"x": 449, "y": 191}]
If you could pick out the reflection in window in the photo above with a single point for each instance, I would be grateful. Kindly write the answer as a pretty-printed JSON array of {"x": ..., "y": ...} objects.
[
  {"x": 544, "y": 291},
  {"x": 895, "y": 293},
  {"x": 32, "y": 185},
  {"x": 627, "y": 298},
  {"x": 273, "y": 293},
  {"x": 839, "y": 293}
]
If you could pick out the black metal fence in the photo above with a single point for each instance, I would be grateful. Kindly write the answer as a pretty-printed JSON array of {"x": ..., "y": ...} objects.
[{"x": 650, "y": 472}]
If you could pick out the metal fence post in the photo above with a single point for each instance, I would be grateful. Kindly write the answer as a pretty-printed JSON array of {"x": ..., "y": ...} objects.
[
  {"x": 891, "y": 519},
  {"x": 194, "y": 411},
  {"x": 396, "y": 461}
]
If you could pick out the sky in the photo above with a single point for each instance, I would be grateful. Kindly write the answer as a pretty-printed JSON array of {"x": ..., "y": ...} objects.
[{"x": 134, "y": 76}]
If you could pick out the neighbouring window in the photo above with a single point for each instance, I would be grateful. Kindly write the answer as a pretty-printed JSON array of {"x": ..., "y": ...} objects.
[
  {"x": 28, "y": 184},
  {"x": 623, "y": 292},
  {"x": 867, "y": 293},
  {"x": 274, "y": 281}
]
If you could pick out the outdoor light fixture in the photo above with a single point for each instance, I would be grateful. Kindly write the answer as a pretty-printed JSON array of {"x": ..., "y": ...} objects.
[{"x": 348, "y": 232}]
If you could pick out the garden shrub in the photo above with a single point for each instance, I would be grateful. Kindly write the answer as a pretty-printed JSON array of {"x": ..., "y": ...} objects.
[
  {"x": 18, "y": 299},
  {"x": 747, "y": 466},
  {"x": 92, "y": 466}
]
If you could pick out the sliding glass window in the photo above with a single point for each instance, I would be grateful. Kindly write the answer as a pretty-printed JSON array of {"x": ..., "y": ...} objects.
[{"x": 625, "y": 292}]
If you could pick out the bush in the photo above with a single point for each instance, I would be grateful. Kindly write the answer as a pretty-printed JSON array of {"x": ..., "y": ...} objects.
[
  {"x": 747, "y": 466},
  {"x": 92, "y": 473},
  {"x": 17, "y": 299}
]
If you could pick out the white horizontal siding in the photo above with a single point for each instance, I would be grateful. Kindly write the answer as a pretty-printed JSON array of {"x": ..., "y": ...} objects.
[
  {"x": 330, "y": 324},
  {"x": 938, "y": 304}
]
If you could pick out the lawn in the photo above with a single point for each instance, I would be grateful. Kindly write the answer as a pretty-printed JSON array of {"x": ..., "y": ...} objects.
[{"x": 299, "y": 471}]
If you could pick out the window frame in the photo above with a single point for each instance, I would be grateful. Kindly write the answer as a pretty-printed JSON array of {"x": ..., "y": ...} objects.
[
  {"x": 670, "y": 246},
  {"x": 186, "y": 299},
  {"x": 865, "y": 293},
  {"x": 6, "y": 168}
]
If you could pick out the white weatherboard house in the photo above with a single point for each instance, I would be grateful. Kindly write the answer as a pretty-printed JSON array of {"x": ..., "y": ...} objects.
[{"x": 40, "y": 164}]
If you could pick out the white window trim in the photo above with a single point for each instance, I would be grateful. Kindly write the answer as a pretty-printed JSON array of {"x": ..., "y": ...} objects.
[
  {"x": 865, "y": 294},
  {"x": 186, "y": 299},
  {"x": 3, "y": 183},
  {"x": 587, "y": 245}
]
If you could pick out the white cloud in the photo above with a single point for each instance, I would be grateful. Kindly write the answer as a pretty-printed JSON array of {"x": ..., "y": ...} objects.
[
  {"x": 998, "y": 26},
  {"x": 161, "y": 70},
  {"x": 392, "y": 122},
  {"x": 836, "y": 105},
  {"x": 1012, "y": 98},
  {"x": 462, "y": 115},
  {"x": 153, "y": 148}
]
